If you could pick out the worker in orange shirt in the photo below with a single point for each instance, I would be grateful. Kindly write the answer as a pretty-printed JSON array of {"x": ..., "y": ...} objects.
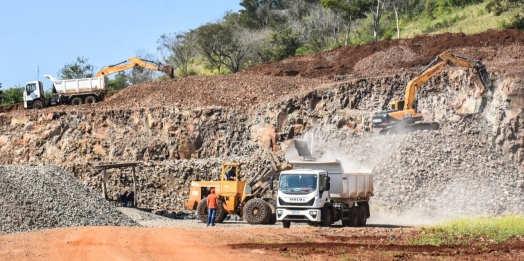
[{"x": 212, "y": 205}]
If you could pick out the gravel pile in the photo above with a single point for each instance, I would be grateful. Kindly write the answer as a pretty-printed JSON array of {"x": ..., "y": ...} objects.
[
  {"x": 43, "y": 197},
  {"x": 437, "y": 174}
]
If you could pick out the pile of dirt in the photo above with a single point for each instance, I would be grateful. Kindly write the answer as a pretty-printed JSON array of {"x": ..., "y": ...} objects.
[
  {"x": 39, "y": 197},
  {"x": 218, "y": 90},
  {"x": 344, "y": 60}
]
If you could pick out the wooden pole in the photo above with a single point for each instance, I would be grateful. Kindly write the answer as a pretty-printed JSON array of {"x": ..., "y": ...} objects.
[
  {"x": 104, "y": 180},
  {"x": 134, "y": 185}
]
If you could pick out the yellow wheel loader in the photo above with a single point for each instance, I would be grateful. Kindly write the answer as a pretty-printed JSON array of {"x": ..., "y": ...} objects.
[{"x": 240, "y": 197}]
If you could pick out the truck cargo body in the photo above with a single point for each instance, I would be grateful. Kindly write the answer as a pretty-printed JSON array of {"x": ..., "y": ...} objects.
[
  {"x": 321, "y": 193},
  {"x": 73, "y": 91}
]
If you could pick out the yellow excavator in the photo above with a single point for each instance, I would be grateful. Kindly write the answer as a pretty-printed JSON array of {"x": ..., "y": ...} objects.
[
  {"x": 402, "y": 116},
  {"x": 133, "y": 62}
]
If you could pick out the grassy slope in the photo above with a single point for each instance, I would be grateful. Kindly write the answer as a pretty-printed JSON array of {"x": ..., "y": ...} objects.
[
  {"x": 469, "y": 20},
  {"x": 463, "y": 230}
]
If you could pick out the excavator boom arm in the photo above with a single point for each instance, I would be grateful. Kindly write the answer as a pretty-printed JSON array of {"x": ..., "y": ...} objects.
[
  {"x": 132, "y": 63},
  {"x": 432, "y": 69}
]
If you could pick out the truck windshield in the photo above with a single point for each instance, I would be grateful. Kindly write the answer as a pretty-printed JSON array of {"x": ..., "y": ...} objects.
[{"x": 298, "y": 183}]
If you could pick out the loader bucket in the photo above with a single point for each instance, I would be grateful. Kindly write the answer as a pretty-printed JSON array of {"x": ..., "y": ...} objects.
[{"x": 168, "y": 70}]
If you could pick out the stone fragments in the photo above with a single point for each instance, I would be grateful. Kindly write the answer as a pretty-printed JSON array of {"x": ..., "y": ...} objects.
[{"x": 43, "y": 197}]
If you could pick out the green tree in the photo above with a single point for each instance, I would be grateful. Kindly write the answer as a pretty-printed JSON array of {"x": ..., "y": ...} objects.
[
  {"x": 12, "y": 95},
  {"x": 119, "y": 82},
  {"x": 178, "y": 50},
  {"x": 500, "y": 6},
  {"x": 258, "y": 14},
  {"x": 215, "y": 41},
  {"x": 350, "y": 10},
  {"x": 282, "y": 45},
  {"x": 77, "y": 70}
]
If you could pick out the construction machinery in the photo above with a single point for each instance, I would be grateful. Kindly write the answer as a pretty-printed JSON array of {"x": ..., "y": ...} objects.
[
  {"x": 243, "y": 198},
  {"x": 85, "y": 90},
  {"x": 136, "y": 62},
  {"x": 402, "y": 116},
  {"x": 321, "y": 193},
  {"x": 72, "y": 91}
]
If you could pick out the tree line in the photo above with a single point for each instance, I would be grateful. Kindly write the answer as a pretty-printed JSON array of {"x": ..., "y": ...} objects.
[{"x": 272, "y": 30}]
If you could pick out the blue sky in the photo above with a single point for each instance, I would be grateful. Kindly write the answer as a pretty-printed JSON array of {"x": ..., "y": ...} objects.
[{"x": 50, "y": 34}]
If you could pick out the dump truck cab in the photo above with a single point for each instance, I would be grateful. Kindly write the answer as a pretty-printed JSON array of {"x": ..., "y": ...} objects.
[{"x": 34, "y": 92}]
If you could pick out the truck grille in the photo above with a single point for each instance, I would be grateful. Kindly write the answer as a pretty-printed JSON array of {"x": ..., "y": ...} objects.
[{"x": 304, "y": 204}]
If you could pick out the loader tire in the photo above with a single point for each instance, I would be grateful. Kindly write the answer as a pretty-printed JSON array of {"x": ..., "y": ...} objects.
[
  {"x": 286, "y": 224},
  {"x": 273, "y": 207},
  {"x": 202, "y": 211},
  {"x": 77, "y": 101},
  {"x": 257, "y": 211},
  {"x": 90, "y": 99},
  {"x": 38, "y": 105},
  {"x": 353, "y": 217},
  {"x": 362, "y": 216}
]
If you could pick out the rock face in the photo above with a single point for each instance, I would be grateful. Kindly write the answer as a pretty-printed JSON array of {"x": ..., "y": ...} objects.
[
  {"x": 48, "y": 197},
  {"x": 183, "y": 129}
]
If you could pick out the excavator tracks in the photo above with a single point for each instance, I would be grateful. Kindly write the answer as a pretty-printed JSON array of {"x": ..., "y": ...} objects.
[{"x": 408, "y": 128}]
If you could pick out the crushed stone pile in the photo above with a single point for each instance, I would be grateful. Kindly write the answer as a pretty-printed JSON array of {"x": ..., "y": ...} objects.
[
  {"x": 43, "y": 197},
  {"x": 436, "y": 175}
]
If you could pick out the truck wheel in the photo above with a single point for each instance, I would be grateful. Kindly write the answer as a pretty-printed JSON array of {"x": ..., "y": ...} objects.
[
  {"x": 362, "y": 216},
  {"x": 326, "y": 217},
  {"x": 202, "y": 211},
  {"x": 257, "y": 211},
  {"x": 273, "y": 207},
  {"x": 90, "y": 99},
  {"x": 353, "y": 217},
  {"x": 286, "y": 224},
  {"x": 76, "y": 101},
  {"x": 38, "y": 105}
]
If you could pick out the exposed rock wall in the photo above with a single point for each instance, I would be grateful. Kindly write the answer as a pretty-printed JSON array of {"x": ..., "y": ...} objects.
[{"x": 178, "y": 144}]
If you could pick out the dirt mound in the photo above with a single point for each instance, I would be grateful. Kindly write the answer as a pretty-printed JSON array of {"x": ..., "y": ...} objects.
[
  {"x": 14, "y": 107},
  {"x": 343, "y": 61},
  {"x": 218, "y": 90}
]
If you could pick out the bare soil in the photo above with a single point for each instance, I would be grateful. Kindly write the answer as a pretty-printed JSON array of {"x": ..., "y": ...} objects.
[
  {"x": 246, "y": 242},
  {"x": 416, "y": 52}
]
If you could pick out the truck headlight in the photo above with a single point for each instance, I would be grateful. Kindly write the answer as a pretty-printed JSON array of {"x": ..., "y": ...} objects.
[
  {"x": 313, "y": 213},
  {"x": 279, "y": 212}
]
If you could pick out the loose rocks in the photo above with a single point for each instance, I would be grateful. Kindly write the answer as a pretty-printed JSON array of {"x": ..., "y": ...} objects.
[{"x": 48, "y": 197}]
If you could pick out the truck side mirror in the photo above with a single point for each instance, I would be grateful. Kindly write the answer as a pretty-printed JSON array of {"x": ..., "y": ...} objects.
[
  {"x": 328, "y": 183},
  {"x": 271, "y": 183}
]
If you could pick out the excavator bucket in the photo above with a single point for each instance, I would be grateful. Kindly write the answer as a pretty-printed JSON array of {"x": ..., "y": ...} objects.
[
  {"x": 483, "y": 75},
  {"x": 168, "y": 70}
]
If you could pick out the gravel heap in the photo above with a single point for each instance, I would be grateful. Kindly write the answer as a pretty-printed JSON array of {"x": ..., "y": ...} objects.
[
  {"x": 43, "y": 197},
  {"x": 436, "y": 174}
]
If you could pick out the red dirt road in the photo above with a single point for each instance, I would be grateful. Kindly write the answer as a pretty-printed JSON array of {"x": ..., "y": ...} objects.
[
  {"x": 243, "y": 242},
  {"x": 116, "y": 243}
]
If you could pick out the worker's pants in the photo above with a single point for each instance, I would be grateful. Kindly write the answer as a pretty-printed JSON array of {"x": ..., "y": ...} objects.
[{"x": 211, "y": 214}]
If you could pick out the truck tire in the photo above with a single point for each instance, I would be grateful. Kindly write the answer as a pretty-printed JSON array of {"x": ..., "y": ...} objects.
[
  {"x": 257, "y": 211},
  {"x": 286, "y": 224},
  {"x": 273, "y": 207},
  {"x": 326, "y": 217},
  {"x": 202, "y": 211},
  {"x": 77, "y": 101},
  {"x": 90, "y": 99},
  {"x": 362, "y": 216},
  {"x": 38, "y": 105},
  {"x": 353, "y": 217}
]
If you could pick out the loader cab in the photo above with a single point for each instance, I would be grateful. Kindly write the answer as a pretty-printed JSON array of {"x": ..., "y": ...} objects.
[{"x": 33, "y": 91}]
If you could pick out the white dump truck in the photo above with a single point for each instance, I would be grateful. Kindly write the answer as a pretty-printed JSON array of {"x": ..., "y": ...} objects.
[
  {"x": 74, "y": 92},
  {"x": 321, "y": 193}
]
